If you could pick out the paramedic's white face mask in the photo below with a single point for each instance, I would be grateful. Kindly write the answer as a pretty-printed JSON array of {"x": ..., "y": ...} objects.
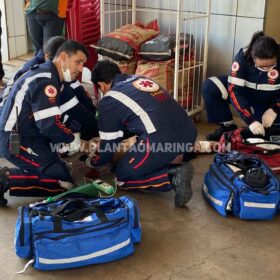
[
  {"x": 266, "y": 69},
  {"x": 66, "y": 74},
  {"x": 265, "y": 65}
]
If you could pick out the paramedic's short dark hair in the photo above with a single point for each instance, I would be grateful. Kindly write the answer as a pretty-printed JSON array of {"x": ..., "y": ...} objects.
[
  {"x": 104, "y": 71},
  {"x": 72, "y": 47},
  {"x": 51, "y": 46}
]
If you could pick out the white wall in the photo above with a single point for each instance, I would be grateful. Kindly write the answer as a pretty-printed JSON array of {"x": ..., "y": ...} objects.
[
  {"x": 232, "y": 24},
  {"x": 15, "y": 33},
  {"x": 4, "y": 36}
]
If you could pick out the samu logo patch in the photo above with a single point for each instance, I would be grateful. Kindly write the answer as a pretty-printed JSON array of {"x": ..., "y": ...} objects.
[{"x": 146, "y": 85}]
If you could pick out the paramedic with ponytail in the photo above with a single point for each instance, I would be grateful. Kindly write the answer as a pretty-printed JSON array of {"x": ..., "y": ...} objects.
[
  {"x": 253, "y": 88},
  {"x": 140, "y": 106}
]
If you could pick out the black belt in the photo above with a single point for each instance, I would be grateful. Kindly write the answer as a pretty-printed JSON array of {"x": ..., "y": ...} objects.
[{"x": 44, "y": 12}]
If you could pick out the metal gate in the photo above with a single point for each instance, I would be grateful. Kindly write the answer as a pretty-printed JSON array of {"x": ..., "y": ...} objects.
[{"x": 189, "y": 20}]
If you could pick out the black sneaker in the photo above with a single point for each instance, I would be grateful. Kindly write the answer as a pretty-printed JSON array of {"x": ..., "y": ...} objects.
[
  {"x": 180, "y": 178},
  {"x": 4, "y": 184},
  {"x": 216, "y": 135}
]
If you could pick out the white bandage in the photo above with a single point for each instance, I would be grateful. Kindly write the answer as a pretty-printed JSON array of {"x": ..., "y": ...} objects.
[{"x": 91, "y": 155}]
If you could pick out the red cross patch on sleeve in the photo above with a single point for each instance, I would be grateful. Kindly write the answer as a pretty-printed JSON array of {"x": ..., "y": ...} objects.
[
  {"x": 50, "y": 91},
  {"x": 273, "y": 74},
  {"x": 146, "y": 85},
  {"x": 235, "y": 66}
]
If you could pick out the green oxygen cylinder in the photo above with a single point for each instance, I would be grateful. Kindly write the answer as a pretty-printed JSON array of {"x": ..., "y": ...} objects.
[
  {"x": 104, "y": 187},
  {"x": 91, "y": 189}
]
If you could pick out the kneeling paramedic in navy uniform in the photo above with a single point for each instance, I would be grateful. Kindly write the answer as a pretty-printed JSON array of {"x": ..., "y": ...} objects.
[
  {"x": 164, "y": 131},
  {"x": 30, "y": 126},
  {"x": 78, "y": 111},
  {"x": 253, "y": 88}
]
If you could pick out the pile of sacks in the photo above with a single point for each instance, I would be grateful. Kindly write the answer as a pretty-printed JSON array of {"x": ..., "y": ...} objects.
[
  {"x": 140, "y": 49},
  {"x": 122, "y": 46}
]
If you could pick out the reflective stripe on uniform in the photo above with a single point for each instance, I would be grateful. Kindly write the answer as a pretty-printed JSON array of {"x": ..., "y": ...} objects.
[
  {"x": 17, "y": 106},
  {"x": 75, "y": 85},
  {"x": 65, "y": 118},
  {"x": 110, "y": 135},
  {"x": 46, "y": 113},
  {"x": 236, "y": 81},
  {"x": 133, "y": 106},
  {"x": 69, "y": 104},
  {"x": 244, "y": 83},
  {"x": 221, "y": 87},
  {"x": 268, "y": 87}
]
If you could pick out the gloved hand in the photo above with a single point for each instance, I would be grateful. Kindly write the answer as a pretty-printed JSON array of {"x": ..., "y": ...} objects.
[
  {"x": 92, "y": 148},
  {"x": 257, "y": 128},
  {"x": 89, "y": 158},
  {"x": 75, "y": 145},
  {"x": 268, "y": 118}
]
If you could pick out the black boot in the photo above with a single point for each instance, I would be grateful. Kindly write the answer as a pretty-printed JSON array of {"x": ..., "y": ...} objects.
[
  {"x": 180, "y": 178},
  {"x": 217, "y": 134},
  {"x": 4, "y": 184}
]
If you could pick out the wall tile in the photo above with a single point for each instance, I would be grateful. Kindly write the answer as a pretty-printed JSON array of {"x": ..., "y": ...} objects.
[
  {"x": 10, "y": 18},
  {"x": 251, "y": 8},
  {"x": 19, "y": 17},
  {"x": 12, "y": 47},
  {"x": 224, "y": 7},
  {"x": 245, "y": 28},
  {"x": 221, "y": 42},
  {"x": 21, "y": 45},
  {"x": 4, "y": 36}
]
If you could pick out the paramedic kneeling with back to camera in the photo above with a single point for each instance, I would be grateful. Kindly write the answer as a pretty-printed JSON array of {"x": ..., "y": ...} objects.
[
  {"x": 32, "y": 112},
  {"x": 253, "y": 88},
  {"x": 164, "y": 131}
]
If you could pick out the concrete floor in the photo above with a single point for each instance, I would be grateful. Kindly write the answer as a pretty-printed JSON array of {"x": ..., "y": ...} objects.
[{"x": 189, "y": 243}]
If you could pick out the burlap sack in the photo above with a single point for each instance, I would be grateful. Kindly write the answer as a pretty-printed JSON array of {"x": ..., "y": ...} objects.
[
  {"x": 162, "y": 72},
  {"x": 124, "y": 43},
  {"x": 126, "y": 67}
]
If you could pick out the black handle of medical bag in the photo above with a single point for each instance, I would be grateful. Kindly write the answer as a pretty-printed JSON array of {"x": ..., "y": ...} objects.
[
  {"x": 82, "y": 210},
  {"x": 75, "y": 203},
  {"x": 80, "y": 214}
]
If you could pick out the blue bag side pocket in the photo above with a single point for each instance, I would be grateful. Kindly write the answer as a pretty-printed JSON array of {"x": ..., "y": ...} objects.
[
  {"x": 22, "y": 239},
  {"x": 216, "y": 193},
  {"x": 83, "y": 248},
  {"x": 258, "y": 206},
  {"x": 134, "y": 217}
]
